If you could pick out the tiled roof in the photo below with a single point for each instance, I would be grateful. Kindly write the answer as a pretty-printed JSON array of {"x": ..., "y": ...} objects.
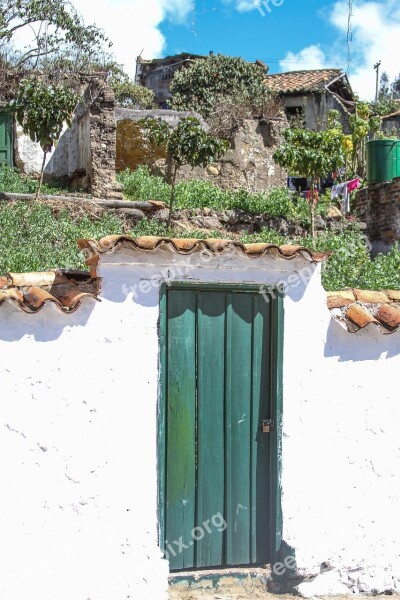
[
  {"x": 111, "y": 243},
  {"x": 31, "y": 291},
  {"x": 301, "y": 81},
  {"x": 355, "y": 309}
]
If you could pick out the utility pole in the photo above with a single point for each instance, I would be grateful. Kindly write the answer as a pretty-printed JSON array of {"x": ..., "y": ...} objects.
[{"x": 376, "y": 67}]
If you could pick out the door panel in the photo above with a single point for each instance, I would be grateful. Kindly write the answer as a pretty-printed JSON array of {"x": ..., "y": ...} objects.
[
  {"x": 218, "y": 362},
  {"x": 5, "y": 139}
]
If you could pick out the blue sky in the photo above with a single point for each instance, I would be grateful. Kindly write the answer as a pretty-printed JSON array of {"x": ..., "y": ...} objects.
[
  {"x": 293, "y": 35},
  {"x": 219, "y": 27}
]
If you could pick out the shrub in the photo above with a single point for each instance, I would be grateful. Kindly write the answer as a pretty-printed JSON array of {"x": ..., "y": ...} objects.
[
  {"x": 141, "y": 185},
  {"x": 278, "y": 202}
]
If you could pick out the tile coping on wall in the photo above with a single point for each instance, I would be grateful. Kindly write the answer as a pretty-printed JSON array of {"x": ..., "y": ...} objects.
[{"x": 354, "y": 309}]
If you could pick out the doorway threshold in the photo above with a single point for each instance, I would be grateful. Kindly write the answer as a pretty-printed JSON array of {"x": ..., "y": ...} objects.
[{"x": 223, "y": 583}]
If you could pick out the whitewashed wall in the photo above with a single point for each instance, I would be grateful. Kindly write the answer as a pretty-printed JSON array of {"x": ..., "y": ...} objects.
[{"x": 78, "y": 510}]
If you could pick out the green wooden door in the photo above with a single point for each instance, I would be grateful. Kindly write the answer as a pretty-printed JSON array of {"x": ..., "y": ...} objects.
[
  {"x": 219, "y": 371},
  {"x": 6, "y": 156}
]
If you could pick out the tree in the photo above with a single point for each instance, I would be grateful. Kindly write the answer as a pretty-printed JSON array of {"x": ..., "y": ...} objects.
[
  {"x": 210, "y": 81},
  {"x": 57, "y": 29},
  {"x": 127, "y": 93},
  {"x": 311, "y": 154},
  {"x": 42, "y": 110},
  {"x": 188, "y": 144},
  {"x": 362, "y": 122}
]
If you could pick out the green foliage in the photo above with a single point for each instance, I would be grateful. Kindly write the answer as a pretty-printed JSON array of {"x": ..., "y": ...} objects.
[
  {"x": 127, "y": 93},
  {"x": 207, "y": 82},
  {"x": 267, "y": 236},
  {"x": 188, "y": 144},
  {"x": 310, "y": 153},
  {"x": 65, "y": 34},
  {"x": 33, "y": 239},
  {"x": 12, "y": 181},
  {"x": 141, "y": 185},
  {"x": 278, "y": 202},
  {"x": 42, "y": 110},
  {"x": 388, "y": 92},
  {"x": 383, "y": 272}
]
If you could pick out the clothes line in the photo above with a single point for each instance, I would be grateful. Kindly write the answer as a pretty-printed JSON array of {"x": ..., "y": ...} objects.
[{"x": 343, "y": 191}]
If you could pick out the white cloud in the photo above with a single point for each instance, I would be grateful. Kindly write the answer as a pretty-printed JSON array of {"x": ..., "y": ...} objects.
[
  {"x": 132, "y": 25},
  {"x": 311, "y": 57},
  {"x": 245, "y": 5},
  {"x": 376, "y": 36}
]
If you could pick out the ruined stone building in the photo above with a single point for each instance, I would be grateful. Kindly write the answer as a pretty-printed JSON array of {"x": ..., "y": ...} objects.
[
  {"x": 157, "y": 74},
  {"x": 312, "y": 94}
]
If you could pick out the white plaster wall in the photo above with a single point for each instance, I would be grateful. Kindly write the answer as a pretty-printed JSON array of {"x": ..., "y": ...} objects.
[
  {"x": 341, "y": 449},
  {"x": 78, "y": 512},
  {"x": 28, "y": 154},
  {"x": 78, "y": 446}
]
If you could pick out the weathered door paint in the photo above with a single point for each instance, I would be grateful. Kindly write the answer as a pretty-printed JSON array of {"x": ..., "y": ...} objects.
[
  {"x": 6, "y": 156},
  {"x": 218, "y": 486}
]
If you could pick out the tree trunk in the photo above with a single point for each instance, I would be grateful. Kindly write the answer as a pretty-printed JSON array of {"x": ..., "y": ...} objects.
[
  {"x": 172, "y": 197},
  {"x": 41, "y": 175},
  {"x": 312, "y": 208}
]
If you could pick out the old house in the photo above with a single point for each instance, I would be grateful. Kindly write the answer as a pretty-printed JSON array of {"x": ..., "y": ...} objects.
[
  {"x": 312, "y": 94},
  {"x": 213, "y": 409},
  {"x": 157, "y": 74}
]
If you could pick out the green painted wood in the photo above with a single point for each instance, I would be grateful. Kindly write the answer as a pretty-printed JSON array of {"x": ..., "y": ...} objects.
[
  {"x": 222, "y": 371},
  {"x": 5, "y": 139},
  {"x": 161, "y": 422},
  {"x": 260, "y": 445},
  {"x": 238, "y": 427},
  {"x": 181, "y": 428},
  {"x": 210, "y": 433}
]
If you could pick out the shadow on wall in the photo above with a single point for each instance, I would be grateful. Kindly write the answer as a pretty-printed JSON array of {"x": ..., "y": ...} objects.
[
  {"x": 46, "y": 327},
  {"x": 367, "y": 344}
]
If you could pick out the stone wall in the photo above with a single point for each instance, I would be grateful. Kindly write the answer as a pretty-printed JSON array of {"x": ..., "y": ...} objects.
[
  {"x": 85, "y": 156},
  {"x": 247, "y": 164},
  {"x": 378, "y": 206}
]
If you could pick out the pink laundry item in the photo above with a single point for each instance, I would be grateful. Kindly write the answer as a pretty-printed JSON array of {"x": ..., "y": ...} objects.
[{"x": 352, "y": 185}]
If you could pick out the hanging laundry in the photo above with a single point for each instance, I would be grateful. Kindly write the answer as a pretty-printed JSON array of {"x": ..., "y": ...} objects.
[
  {"x": 352, "y": 185},
  {"x": 341, "y": 191}
]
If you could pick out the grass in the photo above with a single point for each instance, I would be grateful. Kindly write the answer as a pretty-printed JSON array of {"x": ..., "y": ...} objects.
[
  {"x": 278, "y": 202},
  {"x": 35, "y": 237},
  {"x": 13, "y": 182}
]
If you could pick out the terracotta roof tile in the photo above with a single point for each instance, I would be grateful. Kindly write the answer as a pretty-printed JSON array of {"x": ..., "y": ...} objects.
[
  {"x": 382, "y": 309},
  {"x": 370, "y": 297},
  {"x": 389, "y": 315},
  {"x": 340, "y": 299},
  {"x": 301, "y": 81},
  {"x": 31, "y": 291},
  {"x": 112, "y": 243}
]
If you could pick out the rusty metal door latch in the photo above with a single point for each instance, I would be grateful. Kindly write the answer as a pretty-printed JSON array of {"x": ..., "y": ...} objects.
[{"x": 267, "y": 425}]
